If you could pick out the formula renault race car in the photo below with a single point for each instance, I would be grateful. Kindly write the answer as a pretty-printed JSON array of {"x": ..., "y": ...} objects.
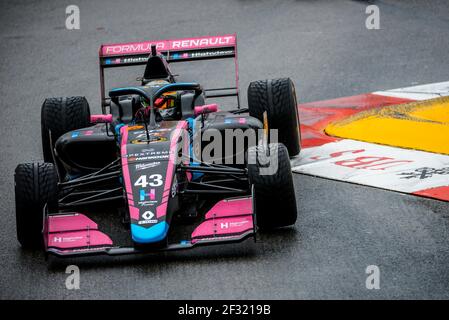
[{"x": 158, "y": 160}]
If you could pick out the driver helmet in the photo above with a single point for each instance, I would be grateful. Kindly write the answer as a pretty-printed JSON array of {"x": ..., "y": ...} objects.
[{"x": 166, "y": 103}]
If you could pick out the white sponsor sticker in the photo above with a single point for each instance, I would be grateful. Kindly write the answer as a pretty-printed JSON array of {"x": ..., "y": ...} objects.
[
  {"x": 375, "y": 165},
  {"x": 143, "y": 166}
]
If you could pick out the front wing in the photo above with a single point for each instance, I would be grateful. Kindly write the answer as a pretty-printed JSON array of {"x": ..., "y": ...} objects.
[{"x": 73, "y": 234}]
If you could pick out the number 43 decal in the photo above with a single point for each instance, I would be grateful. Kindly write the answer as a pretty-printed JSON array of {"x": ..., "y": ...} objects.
[{"x": 154, "y": 180}]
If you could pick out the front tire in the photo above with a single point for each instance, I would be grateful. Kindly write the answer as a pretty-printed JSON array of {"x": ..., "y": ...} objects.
[
  {"x": 275, "y": 199},
  {"x": 35, "y": 186},
  {"x": 59, "y": 116},
  {"x": 278, "y": 98}
]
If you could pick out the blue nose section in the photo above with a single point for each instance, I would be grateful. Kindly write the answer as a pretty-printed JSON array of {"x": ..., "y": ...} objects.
[{"x": 152, "y": 234}]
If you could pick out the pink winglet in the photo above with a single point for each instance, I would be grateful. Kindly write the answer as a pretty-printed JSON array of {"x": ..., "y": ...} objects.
[
  {"x": 78, "y": 239},
  {"x": 134, "y": 212},
  {"x": 70, "y": 222},
  {"x": 228, "y": 227},
  {"x": 101, "y": 118},
  {"x": 207, "y": 108},
  {"x": 231, "y": 207}
]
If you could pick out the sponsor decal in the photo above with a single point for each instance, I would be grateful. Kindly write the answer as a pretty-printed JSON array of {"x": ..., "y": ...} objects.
[
  {"x": 227, "y": 225},
  {"x": 149, "y": 203},
  {"x": 147, "y": 218},
  {"x": 424, "y": 173},
  {"x": 235, "y": 120},
  {"x": 211, "y": 53},
  {"x": 113, "y": 61},
  {"x": 76, "y": 134},
  {"x": 184, "y": 55},
  {"x": 134, "y": 47},
  {"x": 152, "y": 155},
  {"x": 145, "y": 152},
  {"x": 145, "y": 158},
  {"x": 144, "y": 194},
  {"x": 147, "y": 215},
  {"x": 202, "y": 42},
  {"x": 135, "y": 60},
  {"x": 66, "y": 239},
  {"x": 143, "y": 166}
]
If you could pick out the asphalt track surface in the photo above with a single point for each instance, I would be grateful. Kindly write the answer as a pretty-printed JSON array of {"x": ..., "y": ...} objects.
[{"x": 326, "y": 49}]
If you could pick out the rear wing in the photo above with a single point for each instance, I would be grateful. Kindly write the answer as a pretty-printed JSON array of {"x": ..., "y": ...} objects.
[{"x": 176, "y": 50}]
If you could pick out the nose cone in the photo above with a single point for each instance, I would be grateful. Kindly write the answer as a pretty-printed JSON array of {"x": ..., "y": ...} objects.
[{"x": 152, "y": 234}]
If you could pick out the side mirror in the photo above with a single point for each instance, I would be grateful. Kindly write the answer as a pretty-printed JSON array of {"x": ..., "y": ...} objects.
[
  {"x": 207, "y": 108},
  {"x": 101, "y": 118}
]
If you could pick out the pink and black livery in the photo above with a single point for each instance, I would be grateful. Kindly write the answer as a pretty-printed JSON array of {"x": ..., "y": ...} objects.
[{"x": 137, "y": 160}]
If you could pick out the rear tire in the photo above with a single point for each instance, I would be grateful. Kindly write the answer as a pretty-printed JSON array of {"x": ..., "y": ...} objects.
[
  {"x": 278, "y": 98},
  {"x": 274, "y": 193},
  {"x": 35, "y": 186},
  {"x": 61, "y": 115}
]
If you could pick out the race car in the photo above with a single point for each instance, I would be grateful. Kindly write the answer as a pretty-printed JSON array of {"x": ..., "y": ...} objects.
[{"x": 142, "y": 160}]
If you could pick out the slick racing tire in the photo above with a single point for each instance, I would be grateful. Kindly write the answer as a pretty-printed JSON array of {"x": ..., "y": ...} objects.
[
  {"x": 278, "y": 98},
  {"x": 271, "y": 176},
  {"x": 35, "y": 186},
  {"x": 59, "y": 116}
]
